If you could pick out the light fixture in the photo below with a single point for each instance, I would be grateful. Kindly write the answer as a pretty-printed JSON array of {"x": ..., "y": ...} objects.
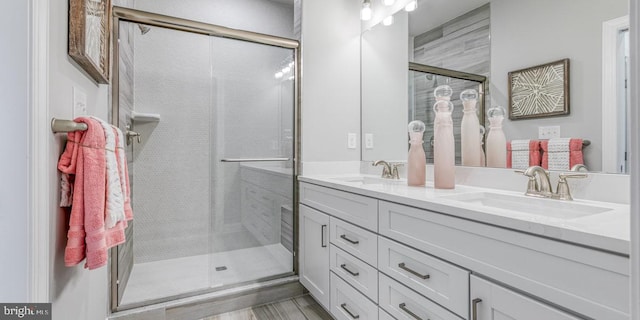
[
  {"x": 279, "y": 75},
  {"x": 388, "y": 2},
  {"x": 388, "y": 21},
  {"x": 365, "y": 12},
  {"x": 411, "y": 6}
]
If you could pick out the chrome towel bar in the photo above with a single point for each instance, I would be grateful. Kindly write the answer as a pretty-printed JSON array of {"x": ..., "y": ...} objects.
[
  {"x": 59, "y": 125},
  {"x": 254, "y": 159}
]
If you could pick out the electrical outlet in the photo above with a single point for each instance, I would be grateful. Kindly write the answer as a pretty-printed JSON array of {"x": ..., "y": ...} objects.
[
  {"x": 352, "y": 142},
  {"x": 79, "y": 102},
  {"x": 368, "y": 140},
  {"x": 550, "y": 132}
]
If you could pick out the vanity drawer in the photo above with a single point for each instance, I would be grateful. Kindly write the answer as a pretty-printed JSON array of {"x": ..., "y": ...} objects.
[
  {"x": 358, "y": 274},
  {"x": 359, "y": 242},
  {"x": 349, "y": 304},
  {"x": 383, "y": 315},
  {"x": 404, "y": 303},
  {"x": 357, "y": 209},
  {"x": 437, "y": 280},
  {"x": 587, "y": 281}
]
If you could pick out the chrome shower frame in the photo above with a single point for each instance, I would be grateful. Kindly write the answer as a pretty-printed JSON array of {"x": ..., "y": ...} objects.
[{"x": 151, "y": 19}]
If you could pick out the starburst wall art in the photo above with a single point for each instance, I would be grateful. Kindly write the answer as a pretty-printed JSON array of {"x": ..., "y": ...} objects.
[{"x": 540, "y": 91}]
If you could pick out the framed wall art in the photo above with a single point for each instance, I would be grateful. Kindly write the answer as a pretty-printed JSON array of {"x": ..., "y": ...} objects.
[
  {"x": 89, "y": 30},
  {"x": 540, "y": 91}
]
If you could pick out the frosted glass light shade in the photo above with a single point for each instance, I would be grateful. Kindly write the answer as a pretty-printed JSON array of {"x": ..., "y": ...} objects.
[
  {"x": 388, "y": 21},
  {"x": 365, "y": 13},
  {"x": 411, "y": 6}
]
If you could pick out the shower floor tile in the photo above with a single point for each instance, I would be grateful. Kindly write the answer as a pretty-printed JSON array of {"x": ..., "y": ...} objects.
[{"x": 165, "y": 278}]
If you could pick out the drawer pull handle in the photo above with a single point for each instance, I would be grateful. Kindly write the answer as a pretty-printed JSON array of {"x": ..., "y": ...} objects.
[
  {"x": 413, "y": 272},
  {"x": 344, "y": 236},
  {"x": 474, "y": 308},
  {"x": 404, "y": 308},
  {"x": 344, "y": 266},
  {"x": 344, "y": 306},
  {"x": 323, "y": 230}
]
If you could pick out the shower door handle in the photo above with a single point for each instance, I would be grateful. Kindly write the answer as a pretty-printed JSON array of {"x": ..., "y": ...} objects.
[{"x": 253, "y": 159}]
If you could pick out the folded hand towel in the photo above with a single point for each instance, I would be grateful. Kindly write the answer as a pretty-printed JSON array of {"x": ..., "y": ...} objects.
[
  {"x": 123, "y": 170},
  {"x": 522, "y": 154},
  {"x": 84, "y": 158},
  {"x": 562, "y": 153},
  {"x": 114, "y": 192}
]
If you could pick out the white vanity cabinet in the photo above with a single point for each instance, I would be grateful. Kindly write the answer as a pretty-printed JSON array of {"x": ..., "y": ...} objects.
[
  {"x": 314, "y": 253},
  {"x": 431, "y": 265},
  {"x": 490, "y": 301}
]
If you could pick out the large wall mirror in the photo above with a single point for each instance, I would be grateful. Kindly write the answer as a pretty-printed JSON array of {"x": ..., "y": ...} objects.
[{"x": 491, "y": 39}]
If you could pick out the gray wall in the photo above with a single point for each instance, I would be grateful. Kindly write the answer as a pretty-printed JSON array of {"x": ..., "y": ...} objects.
[
  {"x": 14, "y": 90},
  {"x": 532, "y": 32}
]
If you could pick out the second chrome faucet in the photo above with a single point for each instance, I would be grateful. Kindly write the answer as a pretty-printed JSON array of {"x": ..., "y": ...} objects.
[{"x": 539, "y": 184}]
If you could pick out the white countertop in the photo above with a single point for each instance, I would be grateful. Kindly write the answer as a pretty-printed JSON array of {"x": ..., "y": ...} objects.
[{"x": 609, "y": 231}]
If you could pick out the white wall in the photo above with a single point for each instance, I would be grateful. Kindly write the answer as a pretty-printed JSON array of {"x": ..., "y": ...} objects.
[
  {"x": 330, "y": 79},
  {"x": 385, "y": 55},
  {"x": 527, "y": 33},
  {"x": 76, "y": 293},
  {"x": 14, "y": 34}
]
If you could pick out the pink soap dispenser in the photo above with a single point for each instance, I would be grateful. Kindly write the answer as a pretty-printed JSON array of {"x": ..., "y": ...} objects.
[
  {"x": 470, "y": 129},
  {"x": 417, "y": 160},
  {"x": 443, "y": 146}
]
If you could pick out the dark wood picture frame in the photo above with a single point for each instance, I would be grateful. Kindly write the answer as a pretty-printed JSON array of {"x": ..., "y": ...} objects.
[
  {"x": 89, "y": 36},
  {"x": 539, "y": 91}
]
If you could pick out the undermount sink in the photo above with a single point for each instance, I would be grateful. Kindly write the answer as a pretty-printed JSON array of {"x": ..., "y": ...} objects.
[
  {"x": 365, "y": 180},
  {"x": 530, "y": 205}
]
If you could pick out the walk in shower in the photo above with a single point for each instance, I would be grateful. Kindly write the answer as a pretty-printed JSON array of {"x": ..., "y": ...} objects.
[{"x": 210, "y": 114}]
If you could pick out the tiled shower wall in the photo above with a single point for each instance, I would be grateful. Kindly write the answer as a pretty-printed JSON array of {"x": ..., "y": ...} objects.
[{"x": 178, "y": 199}]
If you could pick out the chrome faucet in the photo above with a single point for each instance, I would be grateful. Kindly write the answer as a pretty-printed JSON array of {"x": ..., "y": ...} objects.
[
  {"x": 562, "y": 190},
  {"x": 389, "y": 170},
  {"x": 386, "y": 169},
  {"x": 543, "y": 189}
]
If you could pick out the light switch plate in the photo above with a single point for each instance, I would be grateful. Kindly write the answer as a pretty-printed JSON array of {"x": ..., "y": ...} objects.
[
  {"x": 550, "y": 132},
  {"x": 79, "y": 102},
  {"x": 368, "y": 140},
  {"x": 352, "y": 141}
]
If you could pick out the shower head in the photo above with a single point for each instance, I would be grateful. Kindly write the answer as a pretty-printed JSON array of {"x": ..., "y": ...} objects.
[{"x": 144, "y": 29}]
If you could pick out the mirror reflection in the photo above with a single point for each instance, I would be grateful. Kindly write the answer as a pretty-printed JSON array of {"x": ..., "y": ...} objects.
[{"x": 491, "y": 39}]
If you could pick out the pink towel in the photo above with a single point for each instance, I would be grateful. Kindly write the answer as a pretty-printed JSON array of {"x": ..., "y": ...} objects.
[
  {"x": 562, "y": 153},
  {"x": 84, "y": 158},
  {"x": 532, "y": 148}
]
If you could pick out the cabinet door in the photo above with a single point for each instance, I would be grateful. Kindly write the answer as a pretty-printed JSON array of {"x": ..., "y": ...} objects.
[
  {"x": 314, "y": 253},
  {"x": 490, "y": 301}
]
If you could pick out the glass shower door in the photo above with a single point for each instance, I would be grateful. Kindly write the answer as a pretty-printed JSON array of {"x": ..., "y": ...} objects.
[
  {"x": 252, "y": 121},
  {"x": 212, "y": 176}
]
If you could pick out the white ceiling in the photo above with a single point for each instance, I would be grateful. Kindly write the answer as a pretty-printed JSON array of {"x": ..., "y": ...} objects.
[{"x": 433, "y": 13}]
